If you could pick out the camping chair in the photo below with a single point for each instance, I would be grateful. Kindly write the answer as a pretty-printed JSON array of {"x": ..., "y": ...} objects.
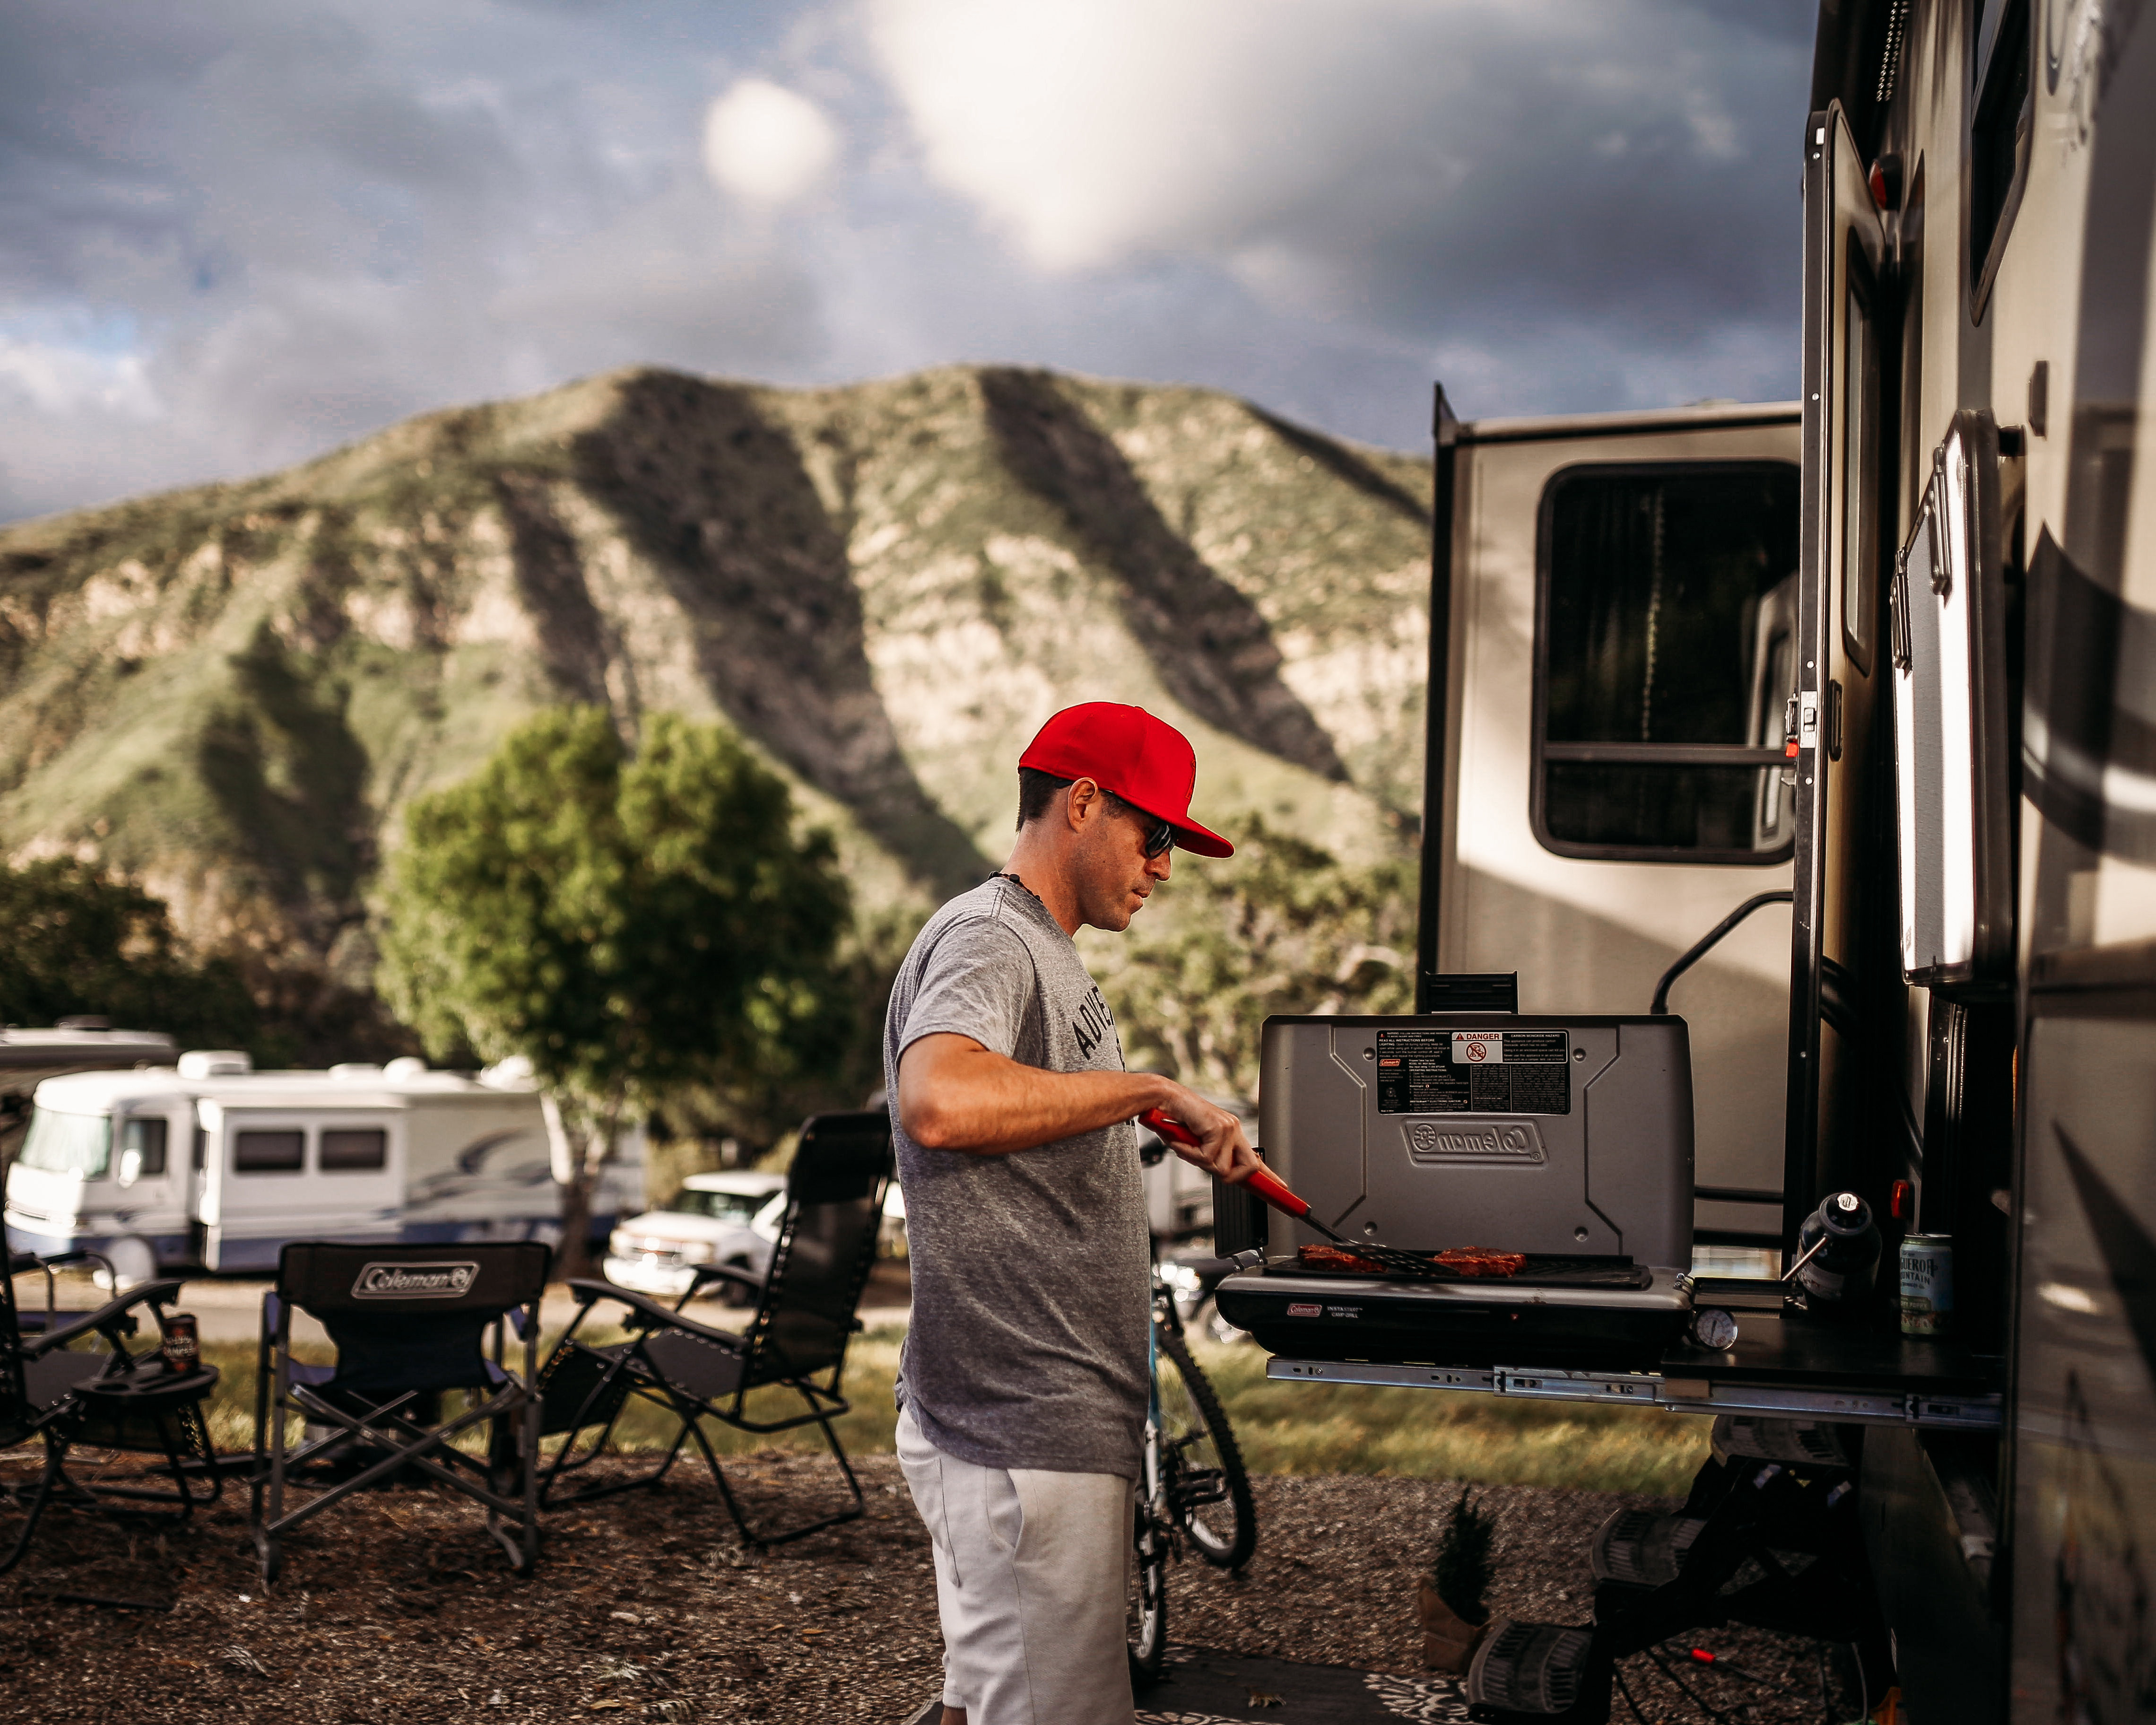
[
  {"x": 409, "y": 1322},
  {"x": 804, "y": 1317},
  {"x": 114, "y": 1401},
  {"x": 34, "y": 1323}
]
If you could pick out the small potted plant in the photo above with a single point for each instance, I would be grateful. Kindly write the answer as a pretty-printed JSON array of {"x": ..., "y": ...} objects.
[{"x": 1449, "y": 1599}]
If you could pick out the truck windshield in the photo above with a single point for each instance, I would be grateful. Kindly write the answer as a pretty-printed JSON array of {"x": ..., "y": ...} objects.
[
  {"x": 719, "y": 1206},
  {"x": 69, "y": 1144}
]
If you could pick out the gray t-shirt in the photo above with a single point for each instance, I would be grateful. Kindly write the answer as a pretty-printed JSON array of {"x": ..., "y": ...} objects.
[{"x": 1027, "y": 1343}]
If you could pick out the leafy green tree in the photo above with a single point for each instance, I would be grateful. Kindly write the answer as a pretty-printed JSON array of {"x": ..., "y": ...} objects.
[
  {"x": 633, "y": 926},
  {"x": 76, "y": 942},
  {"x": 1284, "y": 927}
]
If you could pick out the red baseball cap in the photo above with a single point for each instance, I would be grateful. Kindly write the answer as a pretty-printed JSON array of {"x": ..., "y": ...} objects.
[{"x": 1145, "y": 761}]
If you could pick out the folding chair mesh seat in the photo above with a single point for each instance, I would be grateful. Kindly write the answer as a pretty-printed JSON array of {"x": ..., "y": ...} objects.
[
  {"x": 804, "y": 1317},
  {"x": 409, "y": 1324},
  {"x": 116, "y": 1400}
]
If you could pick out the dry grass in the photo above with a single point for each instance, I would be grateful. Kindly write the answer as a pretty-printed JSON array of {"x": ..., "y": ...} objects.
[{"x": 1307, "y": 1428}]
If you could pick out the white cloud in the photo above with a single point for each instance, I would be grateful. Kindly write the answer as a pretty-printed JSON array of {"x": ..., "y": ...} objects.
[
  {"x": 1342, "y": 154},
  {"x": 58, "y": 378},
  {"x": 767, "y": 144}
]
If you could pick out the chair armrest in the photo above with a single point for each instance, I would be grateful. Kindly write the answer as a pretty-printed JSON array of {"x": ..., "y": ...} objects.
[
  {"x": 723, "y": 1272},
  {"x": 588, "y": 1291},
  {"x": 655, "y": 1314},
  {"x": 105, "y": 1318}
]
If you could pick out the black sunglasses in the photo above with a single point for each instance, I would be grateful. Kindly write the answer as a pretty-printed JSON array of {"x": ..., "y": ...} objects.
[{"x": 1159, "y": 837}]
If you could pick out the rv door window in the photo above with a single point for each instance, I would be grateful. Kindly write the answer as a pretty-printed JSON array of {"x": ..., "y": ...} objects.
[
  {"x": 145, "y": 1136},
  {"x": 69, "y": 1144},
  {"x": 1668, "y": 623},
  {"x": 269, "y": 1153},
  {"x": 351, "y": 1150}
]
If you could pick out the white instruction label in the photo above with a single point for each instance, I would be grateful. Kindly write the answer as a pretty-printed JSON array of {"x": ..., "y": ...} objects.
[{"x": 1478, "y": 1048}]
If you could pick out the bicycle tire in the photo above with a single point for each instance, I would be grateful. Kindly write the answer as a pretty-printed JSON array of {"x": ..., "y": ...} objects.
[
  {"x": 1146, "y": 1606},
  {"x": 1197, "y": 1435}
]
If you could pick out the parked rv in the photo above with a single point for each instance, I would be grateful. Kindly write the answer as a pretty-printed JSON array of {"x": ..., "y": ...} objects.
[
  {"x": 29, "y": 1057},
  {"x": 209, "y": 1163},
  {"x": 1889, "y": 650}
]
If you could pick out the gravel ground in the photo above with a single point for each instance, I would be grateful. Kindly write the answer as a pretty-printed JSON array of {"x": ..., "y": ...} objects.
[{"x": 395, "y": 1607}]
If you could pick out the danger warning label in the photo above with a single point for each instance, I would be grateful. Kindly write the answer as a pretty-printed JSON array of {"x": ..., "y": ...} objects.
[{"x": 1474, "y": 1072}]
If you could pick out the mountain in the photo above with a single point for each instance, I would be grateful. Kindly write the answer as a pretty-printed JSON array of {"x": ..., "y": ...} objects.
[{"x": 231, "y": 693}]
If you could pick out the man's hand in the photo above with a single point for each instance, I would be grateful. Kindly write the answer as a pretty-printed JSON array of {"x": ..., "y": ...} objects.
[{"x": 1221, "y": 1147}]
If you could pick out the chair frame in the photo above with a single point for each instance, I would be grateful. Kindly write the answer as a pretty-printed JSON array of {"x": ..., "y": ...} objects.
[
  {"x": 127, "y": 1384},
  {"x": 282, "y": 1387},
  {"x": 627, "y": 1370}
]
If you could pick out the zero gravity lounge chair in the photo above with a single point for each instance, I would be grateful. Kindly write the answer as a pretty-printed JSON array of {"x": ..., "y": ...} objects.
[
  {"x": 409, "y": 1324},
  {"x": 116, "y": 1401},
  {"x": 797, "y": 1337}
]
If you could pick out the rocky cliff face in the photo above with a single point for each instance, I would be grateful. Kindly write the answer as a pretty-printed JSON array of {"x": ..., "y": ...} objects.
[{"x": 231, "y": 693}]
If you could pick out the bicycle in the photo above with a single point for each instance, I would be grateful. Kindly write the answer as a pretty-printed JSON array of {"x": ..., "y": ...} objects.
[{"x": 1192, "y": 1485}]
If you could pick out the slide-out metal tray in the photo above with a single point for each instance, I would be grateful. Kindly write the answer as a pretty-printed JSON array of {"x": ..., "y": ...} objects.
[{"x": 1608, "y": 1345}]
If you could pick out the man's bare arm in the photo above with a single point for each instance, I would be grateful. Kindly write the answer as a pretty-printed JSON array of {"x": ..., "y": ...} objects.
[{"x": 954, "y": 1094}]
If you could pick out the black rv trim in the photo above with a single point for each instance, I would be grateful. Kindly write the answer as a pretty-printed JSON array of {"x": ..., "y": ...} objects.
[{"x": 1437, "y": 697}]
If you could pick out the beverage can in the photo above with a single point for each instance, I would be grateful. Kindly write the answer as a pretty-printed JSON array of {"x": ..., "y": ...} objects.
[
  {"x": 182, "y": 1347},
  {"x": 1927, "y": 1285}
]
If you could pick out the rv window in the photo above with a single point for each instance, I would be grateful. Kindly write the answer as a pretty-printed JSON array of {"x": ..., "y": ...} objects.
[
  {"x": 265, "y": 1153},
  {"x": 1667, "y": 656},
  {"x": 145, "y": 1136},
  {"x": 69, "y": 1144},
  {"x": 1999, "y": 145},
  {"x": 355, "y": 1150}
]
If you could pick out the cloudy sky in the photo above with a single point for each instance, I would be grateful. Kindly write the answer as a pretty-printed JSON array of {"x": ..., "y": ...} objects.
[{"x": 233, "y": 233}]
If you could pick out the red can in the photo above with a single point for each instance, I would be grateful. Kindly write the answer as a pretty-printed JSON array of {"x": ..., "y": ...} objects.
[{"x": 182, "y": 1347}]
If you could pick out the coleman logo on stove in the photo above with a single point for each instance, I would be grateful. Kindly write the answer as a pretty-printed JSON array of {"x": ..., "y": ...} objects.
[
  {"x": 1298, "y": 1309},
  {"x": 415, "y": 1281},
  {"x": 1473, "y": 1141}
]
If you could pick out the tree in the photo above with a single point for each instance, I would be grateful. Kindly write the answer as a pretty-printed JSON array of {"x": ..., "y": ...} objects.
[
  {"x": 632, "y": 926},
  {"x": 76, "y": 942},
  {"x": 1282, "y": 927}
]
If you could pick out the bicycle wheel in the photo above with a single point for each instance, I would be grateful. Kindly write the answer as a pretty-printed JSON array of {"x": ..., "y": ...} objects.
[
  {"x": 1145, "y": 1621},
  {"x": 1209, "y": 1491}
]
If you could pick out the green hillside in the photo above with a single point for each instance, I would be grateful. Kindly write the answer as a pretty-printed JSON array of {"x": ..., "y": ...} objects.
[{"x": 229, "y": 693}]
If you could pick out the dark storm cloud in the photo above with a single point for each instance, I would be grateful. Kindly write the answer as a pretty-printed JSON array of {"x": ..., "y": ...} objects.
[{"x": 235, "y": 234}]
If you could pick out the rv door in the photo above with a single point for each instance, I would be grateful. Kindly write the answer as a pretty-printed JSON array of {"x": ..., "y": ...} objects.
[
  {"x": 1610, "y": 731},
  {"x": 279, "y": 1174},
  {"x": 1841, "y": 1061}
]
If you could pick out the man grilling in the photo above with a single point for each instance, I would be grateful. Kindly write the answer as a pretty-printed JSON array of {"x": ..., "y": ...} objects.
[{"x": 1022, "y": 1387}]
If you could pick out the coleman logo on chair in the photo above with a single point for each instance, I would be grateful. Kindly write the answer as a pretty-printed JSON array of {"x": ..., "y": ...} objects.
[
  {"x": 415, "y": 1281},
  {"x": 1482, "y": 1140}
]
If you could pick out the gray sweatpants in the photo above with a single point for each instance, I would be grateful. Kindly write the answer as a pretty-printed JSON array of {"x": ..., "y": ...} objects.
[{"x": 1030, "y": 1569}]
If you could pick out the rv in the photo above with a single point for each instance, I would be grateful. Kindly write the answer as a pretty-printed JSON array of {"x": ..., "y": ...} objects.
[
  {"x": 1890, "y": 651},
  {"x": 29, "y": 1057},
  {"x": 209, "y": 1164}
]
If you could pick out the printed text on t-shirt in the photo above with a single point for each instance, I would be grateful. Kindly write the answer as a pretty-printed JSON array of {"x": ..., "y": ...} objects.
[{"x": 1094, "y": 1024}]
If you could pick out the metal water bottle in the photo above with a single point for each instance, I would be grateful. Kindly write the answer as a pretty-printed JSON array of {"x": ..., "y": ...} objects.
[{"x": 1845, "y": 1267}]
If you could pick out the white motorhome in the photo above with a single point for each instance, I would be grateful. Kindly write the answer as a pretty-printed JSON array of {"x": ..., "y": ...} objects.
[{"x": 210, "y": 1163}]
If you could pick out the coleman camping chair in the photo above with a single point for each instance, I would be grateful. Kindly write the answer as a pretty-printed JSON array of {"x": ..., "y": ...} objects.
[
  {"x": 797, "y": 1337},
  {"x": 409, "y": 1324},
  {"x": 124, "y": 1402}
]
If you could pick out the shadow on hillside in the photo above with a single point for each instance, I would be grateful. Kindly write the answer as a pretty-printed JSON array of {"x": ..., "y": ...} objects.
[
  {"x": 717, "y": 499},
  {"x": 1210, "y": 646}
]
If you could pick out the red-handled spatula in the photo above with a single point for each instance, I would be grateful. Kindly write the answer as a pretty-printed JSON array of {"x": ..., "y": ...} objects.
[{"x": 1274, "y": 1190}]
